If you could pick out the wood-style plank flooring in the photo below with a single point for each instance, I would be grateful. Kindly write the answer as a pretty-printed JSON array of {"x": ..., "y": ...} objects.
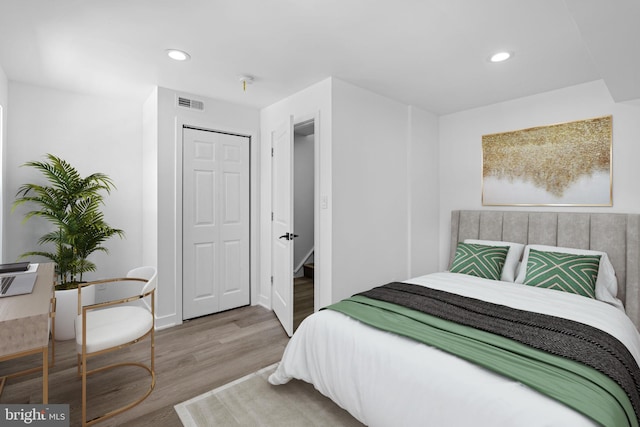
[
  {"x": 302, "y": 299},
  {"x": 191, "y": 359}
]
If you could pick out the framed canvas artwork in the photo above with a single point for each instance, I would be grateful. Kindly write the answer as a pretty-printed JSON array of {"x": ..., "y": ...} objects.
[{"x": 566, "y": 164}]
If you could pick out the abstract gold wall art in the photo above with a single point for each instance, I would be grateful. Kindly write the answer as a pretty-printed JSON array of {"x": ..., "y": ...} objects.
[{"x": 567, "y": 164}]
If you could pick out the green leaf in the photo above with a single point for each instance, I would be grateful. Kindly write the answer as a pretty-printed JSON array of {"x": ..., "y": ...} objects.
[{"x": 72, "y": 205}]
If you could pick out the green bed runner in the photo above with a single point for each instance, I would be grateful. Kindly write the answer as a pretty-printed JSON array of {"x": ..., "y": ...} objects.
[{"x": 576, "y": 385}]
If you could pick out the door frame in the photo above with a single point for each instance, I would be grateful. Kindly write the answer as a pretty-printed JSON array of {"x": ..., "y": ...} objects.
[
  {"x": 254, "y": 202},
  {"x": 317, "y": 257}
]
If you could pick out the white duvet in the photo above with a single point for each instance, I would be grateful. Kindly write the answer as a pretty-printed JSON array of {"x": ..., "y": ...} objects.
[{"x": 386, "y": 380}]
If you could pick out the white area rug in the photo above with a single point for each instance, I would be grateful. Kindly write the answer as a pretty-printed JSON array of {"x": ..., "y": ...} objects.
[{"x": 252, "y": 401}]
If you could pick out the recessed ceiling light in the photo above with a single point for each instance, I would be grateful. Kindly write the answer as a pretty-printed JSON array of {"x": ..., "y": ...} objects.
[
  {"x": 178, "y": 55},
  {"x": 500, "y": 56}
]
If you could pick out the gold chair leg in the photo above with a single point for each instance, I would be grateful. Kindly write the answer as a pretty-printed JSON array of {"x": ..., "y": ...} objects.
[
  {"x": 53, "y": 352},
  {"x": 84, "y": 389},
  {"x": 83, "y": 369},
  {"x": 45, "y": 375}
]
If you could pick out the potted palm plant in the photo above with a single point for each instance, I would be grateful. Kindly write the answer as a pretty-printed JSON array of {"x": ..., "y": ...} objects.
[{"x": 72, "y": 204}]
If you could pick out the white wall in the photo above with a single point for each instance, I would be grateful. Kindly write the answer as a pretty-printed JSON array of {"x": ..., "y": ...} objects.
[
  {"x": 94, "y": 134},
  {"x": 370, "y": 191},
  {"x": 218, "y": 115},
  {"x": 461, "y": 150},
  {"x": 4, "y": 98},
  {"x": 424, "y": 192},
  {"x": 150, "y": 180},
  {"x": 385, "y": 176}
]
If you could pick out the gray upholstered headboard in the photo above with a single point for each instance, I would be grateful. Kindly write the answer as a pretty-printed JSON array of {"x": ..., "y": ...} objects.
[{"x": 616, "y": 234}]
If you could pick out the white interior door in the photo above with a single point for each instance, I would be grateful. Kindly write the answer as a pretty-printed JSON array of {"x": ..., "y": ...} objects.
[
  {"x": 282, "y": 224},
  {"x": 215, "y": 222}
]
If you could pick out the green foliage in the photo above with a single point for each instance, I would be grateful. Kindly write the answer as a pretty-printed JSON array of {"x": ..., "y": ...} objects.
[{"x": 72, "y": 204}]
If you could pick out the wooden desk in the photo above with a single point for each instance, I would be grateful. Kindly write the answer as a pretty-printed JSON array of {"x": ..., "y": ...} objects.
[{"x": 24, "y": 325}]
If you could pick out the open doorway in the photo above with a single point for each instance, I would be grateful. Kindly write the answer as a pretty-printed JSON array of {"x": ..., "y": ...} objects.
[{"x": 303, "y": 221}]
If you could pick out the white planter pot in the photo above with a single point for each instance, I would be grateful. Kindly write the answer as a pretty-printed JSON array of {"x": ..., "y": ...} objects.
[{"x": 67, "y": 310}]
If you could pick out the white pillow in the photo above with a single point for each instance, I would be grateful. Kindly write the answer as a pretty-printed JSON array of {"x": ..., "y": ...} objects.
[
  {"x": 606, "y": 284},
  {"x": 513, "y": 256}
]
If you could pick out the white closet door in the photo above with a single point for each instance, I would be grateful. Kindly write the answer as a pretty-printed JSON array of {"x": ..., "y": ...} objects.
[{"x": 215, "y": 222}]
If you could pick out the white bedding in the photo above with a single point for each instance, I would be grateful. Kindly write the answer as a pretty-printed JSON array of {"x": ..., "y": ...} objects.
[{"x": 387, "y": 380}]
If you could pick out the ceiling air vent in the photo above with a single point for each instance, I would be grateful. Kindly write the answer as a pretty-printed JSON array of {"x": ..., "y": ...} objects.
[{"x": 190, "y": 103}]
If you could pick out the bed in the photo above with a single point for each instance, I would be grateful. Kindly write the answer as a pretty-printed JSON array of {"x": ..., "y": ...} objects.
[{"x": 384, "y": 378}]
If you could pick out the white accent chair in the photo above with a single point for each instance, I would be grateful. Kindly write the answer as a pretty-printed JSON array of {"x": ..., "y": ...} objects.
[{"x": 113, "y": 325}]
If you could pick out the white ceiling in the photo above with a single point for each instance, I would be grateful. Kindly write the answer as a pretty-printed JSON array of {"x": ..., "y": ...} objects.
[{"x": 429, "y": 53}]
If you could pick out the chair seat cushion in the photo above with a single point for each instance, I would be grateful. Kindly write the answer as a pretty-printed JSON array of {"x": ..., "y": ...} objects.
[{"x": 114, "y": 326}]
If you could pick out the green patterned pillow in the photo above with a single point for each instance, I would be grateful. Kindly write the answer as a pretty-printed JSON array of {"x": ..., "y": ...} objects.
[
  {"x": 479, "y": 260},
  {"x": 563, "y": 272}
]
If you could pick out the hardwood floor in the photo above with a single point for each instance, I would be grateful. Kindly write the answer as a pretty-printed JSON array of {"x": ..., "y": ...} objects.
[
  {"x": 302, "y": 299},
  {"x": 191, "y": 359}
]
